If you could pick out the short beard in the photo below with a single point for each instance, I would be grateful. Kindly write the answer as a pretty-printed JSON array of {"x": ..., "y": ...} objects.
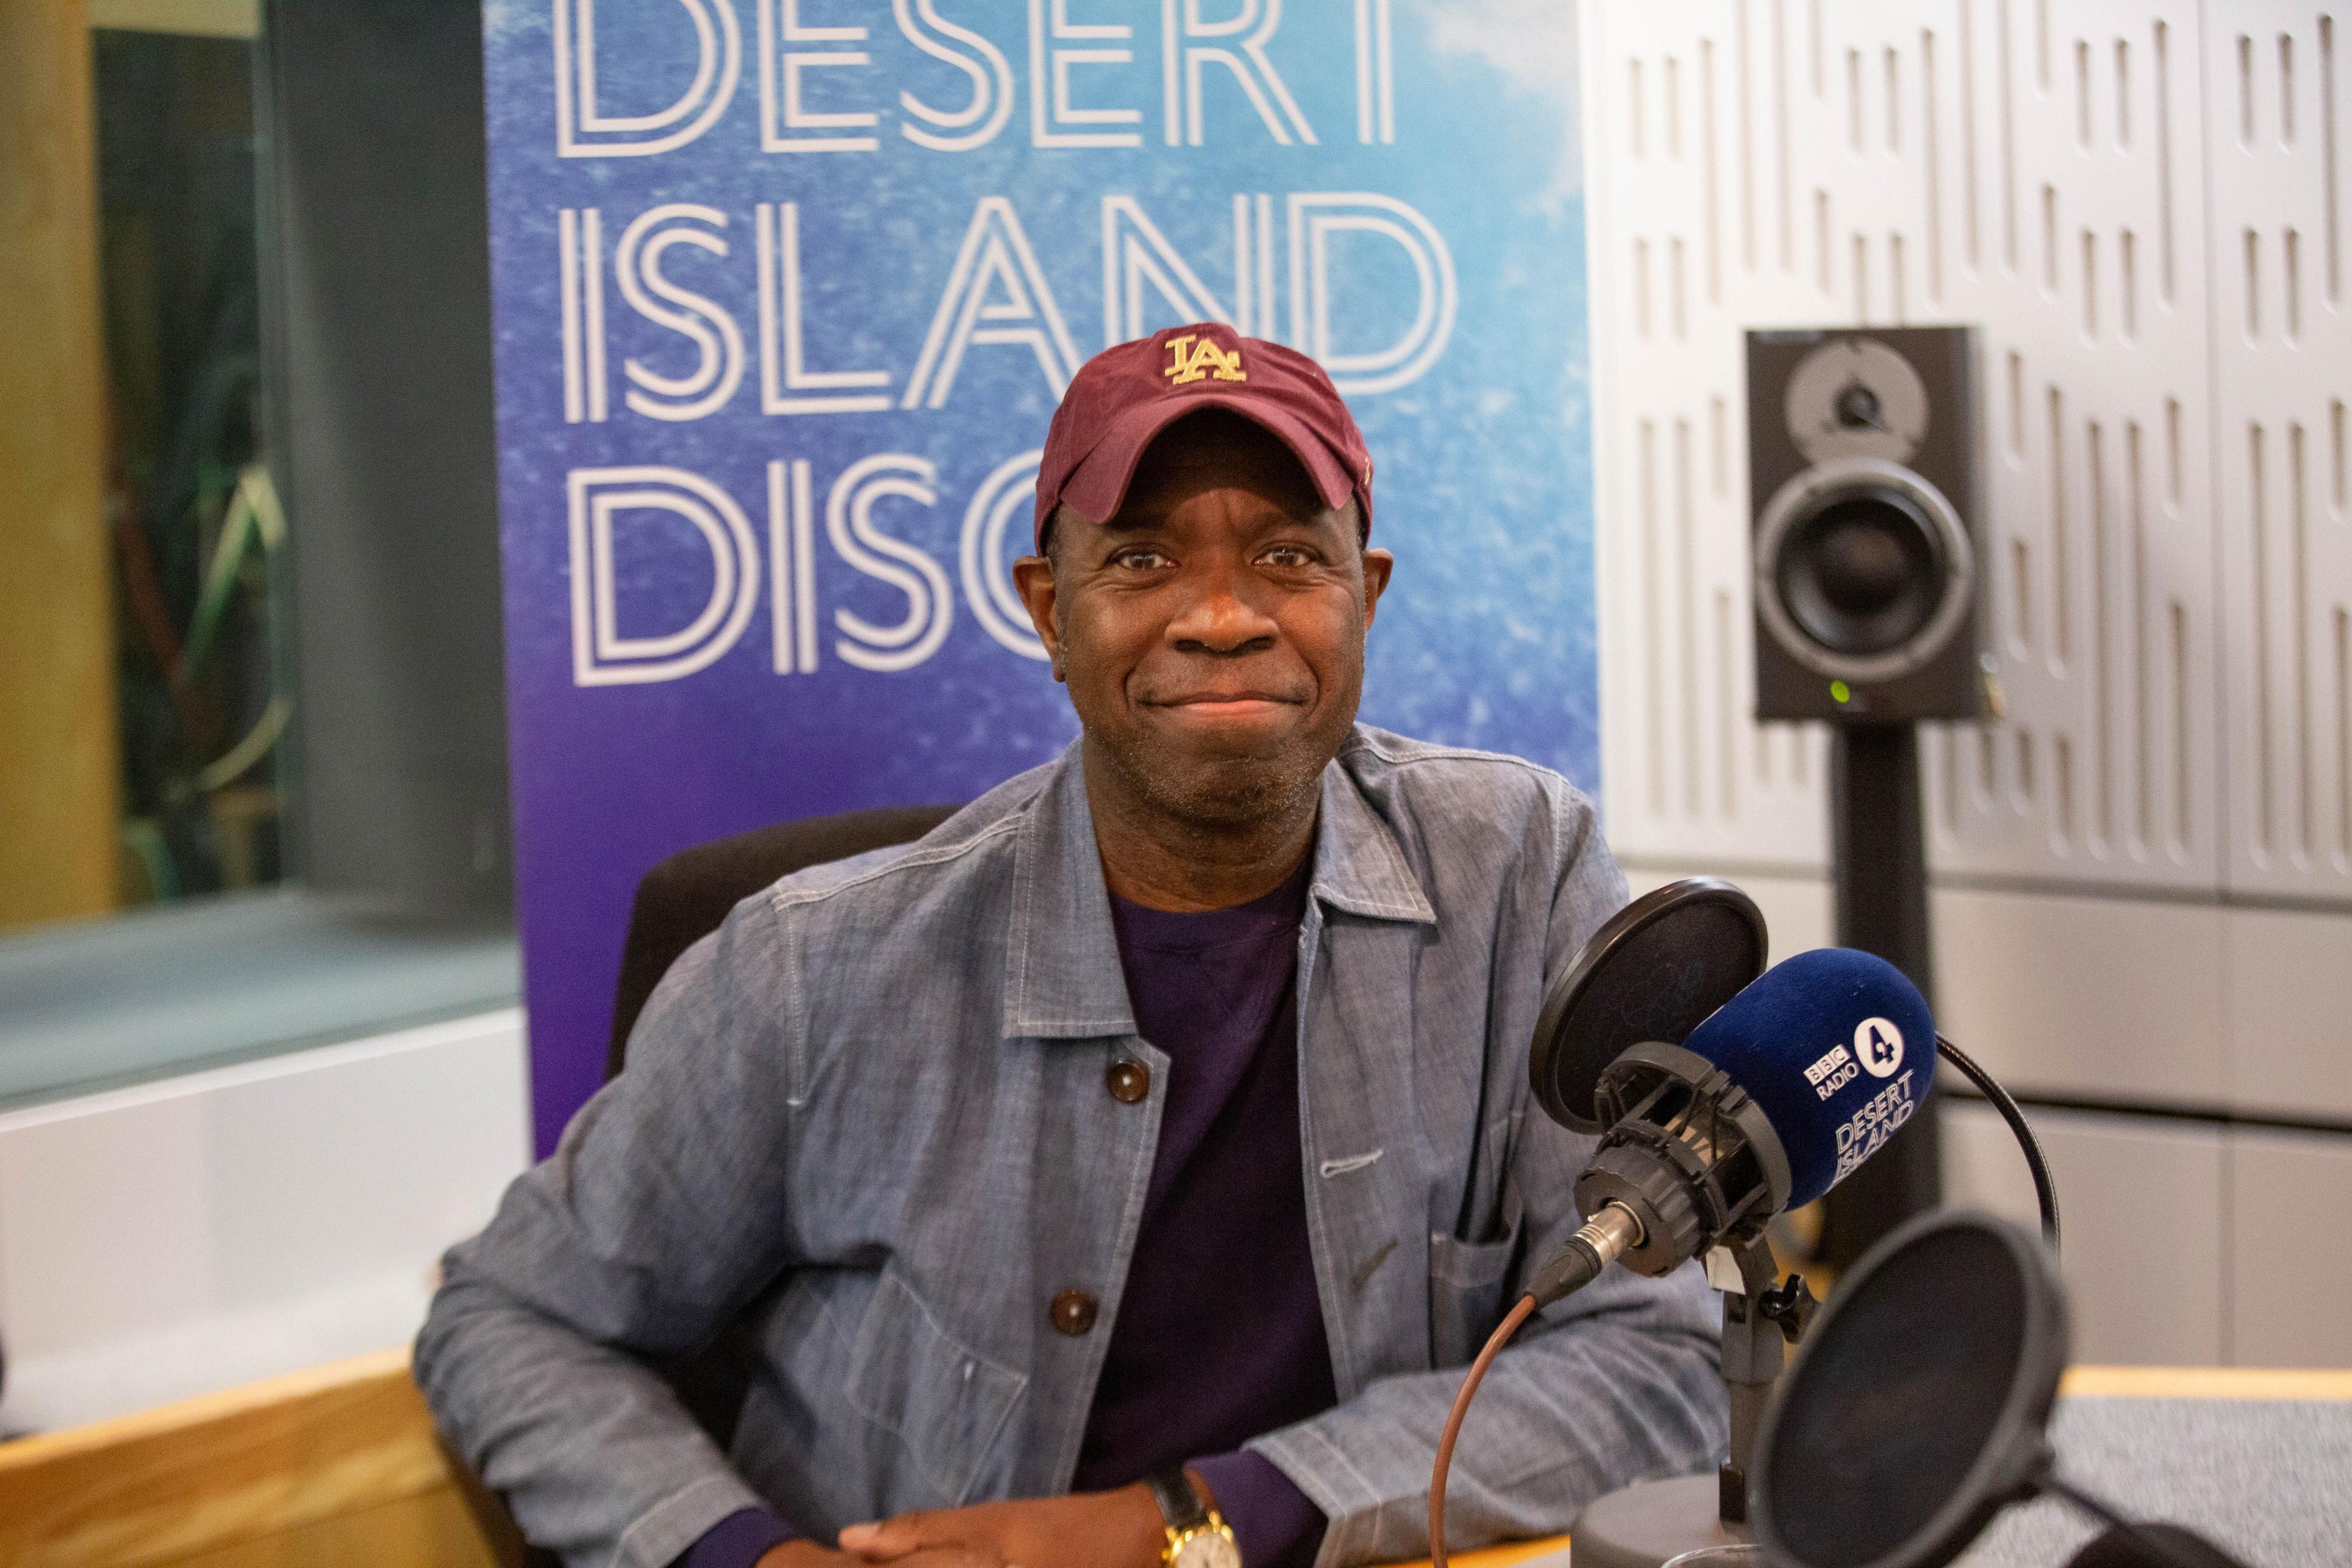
[{"x": 1221, "y": 799}]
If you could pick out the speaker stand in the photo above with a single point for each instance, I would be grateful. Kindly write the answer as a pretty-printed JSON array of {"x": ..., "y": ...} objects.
[{"x": 1879, "y": 852}]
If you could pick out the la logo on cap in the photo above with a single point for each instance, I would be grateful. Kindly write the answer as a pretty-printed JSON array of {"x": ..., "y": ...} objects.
[{"x": 1203, "y": 360}]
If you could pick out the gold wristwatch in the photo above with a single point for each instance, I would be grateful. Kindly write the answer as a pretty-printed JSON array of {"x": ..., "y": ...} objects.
[{"x": 1198, "y": 1536}]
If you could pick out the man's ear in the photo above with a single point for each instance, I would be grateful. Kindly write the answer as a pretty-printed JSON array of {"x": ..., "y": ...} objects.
[
  {"x": 1033, "y": 579},
  {"x": 1377, "y": 564}
]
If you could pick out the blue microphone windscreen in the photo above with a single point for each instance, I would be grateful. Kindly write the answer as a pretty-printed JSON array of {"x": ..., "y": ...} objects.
[{"x": 1837, "y": 1047}]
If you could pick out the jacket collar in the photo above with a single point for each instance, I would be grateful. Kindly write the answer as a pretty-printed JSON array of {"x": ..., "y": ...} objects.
[
  {"x": 1063, "y": 979},
  {"x": 1358, "y": 864}
]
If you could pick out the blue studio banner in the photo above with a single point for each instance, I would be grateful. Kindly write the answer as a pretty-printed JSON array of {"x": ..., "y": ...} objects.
[{"x": 786, "y": 291}]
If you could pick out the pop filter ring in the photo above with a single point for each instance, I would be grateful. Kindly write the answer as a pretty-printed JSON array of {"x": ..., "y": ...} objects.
[
  {"x": 2015, "y": 1459},
  {"x": 1571, "y": 1047}
]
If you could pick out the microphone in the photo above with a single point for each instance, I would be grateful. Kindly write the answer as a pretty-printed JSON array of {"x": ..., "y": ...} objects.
[
  {"x": 1771, "y": 1100},
  {"x": 1722, "y": 1094}
]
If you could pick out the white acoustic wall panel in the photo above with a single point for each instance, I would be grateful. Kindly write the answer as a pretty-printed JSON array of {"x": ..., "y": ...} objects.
[
  {"x": 2066, "y": 995},
  {"x": 2035, "y": 169},
  {"x": 2142, "y": 1207},
  {"x": 2289, "y": 1279},
  {"x": 2290, "y": 993},
  {"x": 1688, "y": 227},
  {"x": 2278, "y": 92},
  {"x": 2081, "y": 258},
  {"x": 2112, "y": 1000}
]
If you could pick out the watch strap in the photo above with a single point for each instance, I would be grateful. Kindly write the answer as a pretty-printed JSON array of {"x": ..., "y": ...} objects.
[{"x": 1179, "y": 1505}]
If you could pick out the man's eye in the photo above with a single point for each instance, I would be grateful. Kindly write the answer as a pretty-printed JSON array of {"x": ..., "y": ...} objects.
[
  {"x": 1140, "y": 560},
  {"x": 1291, "y": 555}
]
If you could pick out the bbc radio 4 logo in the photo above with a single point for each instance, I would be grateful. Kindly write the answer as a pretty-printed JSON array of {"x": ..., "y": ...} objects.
[{"x": 1877, "y": 1051}]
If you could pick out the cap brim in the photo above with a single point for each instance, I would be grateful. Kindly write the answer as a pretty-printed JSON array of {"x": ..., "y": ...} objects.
[{"x": 1097, "y": 486}]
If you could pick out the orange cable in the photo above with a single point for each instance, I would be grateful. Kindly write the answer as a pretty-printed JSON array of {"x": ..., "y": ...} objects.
[{"x": 1501, "y": 1337}]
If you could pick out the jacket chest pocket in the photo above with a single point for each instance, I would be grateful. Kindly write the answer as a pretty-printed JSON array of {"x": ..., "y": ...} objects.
[
  {"x": 1468, "y": 1280},
  {"x": 1466, "y": 1284},
  {"x": 947, "y": 1405}
]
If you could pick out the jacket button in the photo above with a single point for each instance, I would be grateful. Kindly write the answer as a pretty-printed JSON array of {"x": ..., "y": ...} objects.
[
  {"x": 1073, "y": 1312},
  {"x": 1129, "y": 1080}
]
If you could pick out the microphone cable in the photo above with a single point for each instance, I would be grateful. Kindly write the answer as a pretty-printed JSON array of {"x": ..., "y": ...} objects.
[
  {"x": 2045, "y": 1191},
  {"x": 1495, "y": 1343}
]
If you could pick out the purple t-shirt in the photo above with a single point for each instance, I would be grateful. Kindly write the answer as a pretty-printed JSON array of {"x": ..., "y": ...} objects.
[
  {"x": 1219, "y": 1335},
  {"x": 1220, "y": 1331}
]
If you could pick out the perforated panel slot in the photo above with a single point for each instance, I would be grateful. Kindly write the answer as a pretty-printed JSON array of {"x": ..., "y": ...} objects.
[{"x": 2276, "y": 175}]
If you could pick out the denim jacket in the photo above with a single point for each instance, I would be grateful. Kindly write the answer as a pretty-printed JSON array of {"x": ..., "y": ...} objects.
[{"x": 867, "y": 1124}]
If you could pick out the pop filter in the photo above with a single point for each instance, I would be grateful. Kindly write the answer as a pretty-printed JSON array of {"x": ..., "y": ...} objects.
[
  {"x": 1653, "y": 973},
  {"x": 1917, "y": 1410}
]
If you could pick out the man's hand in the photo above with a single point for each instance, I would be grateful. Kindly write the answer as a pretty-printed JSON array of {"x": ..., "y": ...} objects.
[{"x": 1118, "y": 1528}]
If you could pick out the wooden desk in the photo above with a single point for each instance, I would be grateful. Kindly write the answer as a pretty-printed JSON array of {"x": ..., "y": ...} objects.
[
  {"x": 2204, "y": 1382},
  {"x": 340, "y": 1466},
  {"x": 1502, "y": 1556}
]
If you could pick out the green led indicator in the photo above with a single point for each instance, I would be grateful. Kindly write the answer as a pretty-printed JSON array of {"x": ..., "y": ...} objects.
[{"x": 1840, "y": 693}]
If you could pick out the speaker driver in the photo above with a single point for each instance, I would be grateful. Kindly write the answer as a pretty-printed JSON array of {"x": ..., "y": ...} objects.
[
  {"x": 1856, "y": 398},
  {"x": 1863, "y": 570},
  {"x": 1865, "y": 574}
]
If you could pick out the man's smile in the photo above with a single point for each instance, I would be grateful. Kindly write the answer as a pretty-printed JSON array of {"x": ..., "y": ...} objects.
[{"x": 1226, "y": 707}]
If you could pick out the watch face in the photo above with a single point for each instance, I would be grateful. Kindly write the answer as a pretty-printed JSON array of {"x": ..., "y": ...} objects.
[{"x": 1208, "y": 1549}]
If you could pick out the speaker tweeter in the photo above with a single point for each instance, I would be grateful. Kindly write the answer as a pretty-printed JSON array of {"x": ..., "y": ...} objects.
[{"x": 1863, "y": 461}]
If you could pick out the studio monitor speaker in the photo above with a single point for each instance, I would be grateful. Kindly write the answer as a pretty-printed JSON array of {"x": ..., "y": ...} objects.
[{"x": 1870, "y": 567}]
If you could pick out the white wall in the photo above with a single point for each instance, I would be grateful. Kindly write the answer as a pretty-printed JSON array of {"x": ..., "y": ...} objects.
[
  {"x": 2142, "y": 1201},
  {"x": 201, "y": 1232},
  {"x": 2184, "y": 1241},
  {"x": 2144, "y": 875},
  {"x": 2130, "y": 199}
]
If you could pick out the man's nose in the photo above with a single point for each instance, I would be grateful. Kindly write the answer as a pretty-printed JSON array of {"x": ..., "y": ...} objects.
[{"x": 1220, "y": 614}]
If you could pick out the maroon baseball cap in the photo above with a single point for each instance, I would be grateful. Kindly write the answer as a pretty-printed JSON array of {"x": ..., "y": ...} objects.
[{"x": 1124, "y": 396}]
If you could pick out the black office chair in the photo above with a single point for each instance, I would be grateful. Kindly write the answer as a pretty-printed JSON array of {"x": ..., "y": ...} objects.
[{"x": 681, "y": 900}]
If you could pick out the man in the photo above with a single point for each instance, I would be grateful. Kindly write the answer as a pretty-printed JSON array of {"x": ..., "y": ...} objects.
[{"x": 1150, "y": 1143}]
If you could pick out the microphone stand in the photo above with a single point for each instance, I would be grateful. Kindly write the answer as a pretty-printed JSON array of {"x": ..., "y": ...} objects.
[
  {"x": 1648, "y": 1523},
  {"x": 1645, "y": 1524},
  {"x": 1761, "y": 1321}
]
